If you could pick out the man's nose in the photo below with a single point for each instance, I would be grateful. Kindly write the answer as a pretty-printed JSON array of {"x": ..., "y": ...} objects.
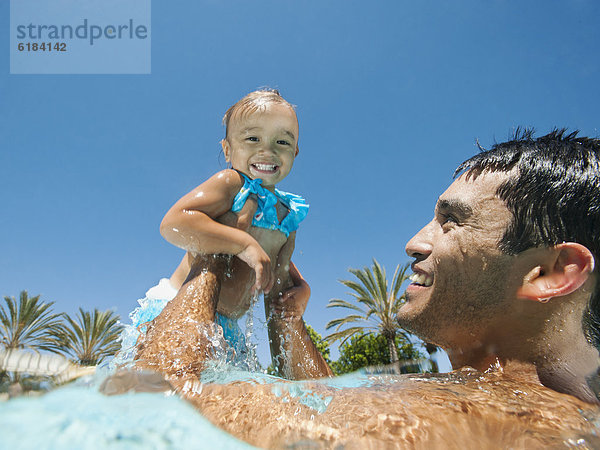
[{"x": 420, "y": 245}]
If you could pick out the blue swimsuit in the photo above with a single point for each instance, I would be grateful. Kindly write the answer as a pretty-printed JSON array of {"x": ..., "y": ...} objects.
[
  {"x": 158, "y": 296},
  {"x": 266, "y": 212},
  {"x": 151, "y": 306}
]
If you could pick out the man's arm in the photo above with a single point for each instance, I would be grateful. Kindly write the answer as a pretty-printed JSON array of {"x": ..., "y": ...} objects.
[
  {"x": 293, "y": 352},
  {"x": 173, "y": 345}
]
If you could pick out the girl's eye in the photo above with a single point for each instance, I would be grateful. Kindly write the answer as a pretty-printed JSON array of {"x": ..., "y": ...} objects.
[
  {"x": 281, "y": 142},
  {"x": 252, "y": 139}
]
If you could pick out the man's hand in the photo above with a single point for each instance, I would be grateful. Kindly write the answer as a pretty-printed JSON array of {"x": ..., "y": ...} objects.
[
  {"x": 292, "y": 303},
  {"x": 257, "y": 259},
  {"x": 294, "y": 354}
]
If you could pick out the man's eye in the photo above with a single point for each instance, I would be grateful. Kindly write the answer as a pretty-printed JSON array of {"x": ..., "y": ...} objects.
[
  {"x": 282, "y": 142},
  {"x": 448, "y": 219},
  {"x": 252, "y": 138}
]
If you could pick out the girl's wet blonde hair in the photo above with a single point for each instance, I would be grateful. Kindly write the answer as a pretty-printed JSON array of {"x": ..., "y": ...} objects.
[{"x": 253, "y": 102}]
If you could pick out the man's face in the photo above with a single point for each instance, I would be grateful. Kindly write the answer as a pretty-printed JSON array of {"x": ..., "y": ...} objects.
[{"x": 461, "y": 278}]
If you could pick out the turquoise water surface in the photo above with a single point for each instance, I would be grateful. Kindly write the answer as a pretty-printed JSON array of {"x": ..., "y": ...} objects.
[{"x": 79, "y": 417}]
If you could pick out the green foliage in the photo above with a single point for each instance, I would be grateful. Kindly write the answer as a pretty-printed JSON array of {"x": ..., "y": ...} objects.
[
  {"x": 363, "y": 350},
  {"x": 28, "y": 324},
  {"x": 376, "y": 307},
  {"x": 90, "y": 339},
  {"x": 376, "y": 339},
  {"x": 319, "y": 342},
  {"x": 271, "y": 370}
]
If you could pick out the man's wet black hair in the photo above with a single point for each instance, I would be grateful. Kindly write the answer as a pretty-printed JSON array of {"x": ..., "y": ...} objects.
[{"x": 554, "y": 196}]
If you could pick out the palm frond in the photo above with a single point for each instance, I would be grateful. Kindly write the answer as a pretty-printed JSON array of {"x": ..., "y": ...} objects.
[
  {"x": 28, "y": 324},
  {"x": 380, "y": 279},
  {"x": 400, "y": 277},
  {"x": 346, "y": 334},
  {"x": 339, "y": 303},
  {"x": 374, "y": 299},
  {"x": 92, "y": 337},
  {"x": 366, "y": 278},
  {"x": 360, "y": 290},
  {"x": 344, "y": 320}
]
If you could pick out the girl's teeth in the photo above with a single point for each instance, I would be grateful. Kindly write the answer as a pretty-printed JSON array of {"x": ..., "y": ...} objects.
[{"x": 268, "y": 167}]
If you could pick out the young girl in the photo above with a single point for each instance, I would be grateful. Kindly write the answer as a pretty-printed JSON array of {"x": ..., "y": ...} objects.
[{"x": 236, "y": 212}]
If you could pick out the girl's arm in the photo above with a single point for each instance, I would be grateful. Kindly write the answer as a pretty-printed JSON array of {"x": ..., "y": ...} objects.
[{"x": 191, "y": 225}]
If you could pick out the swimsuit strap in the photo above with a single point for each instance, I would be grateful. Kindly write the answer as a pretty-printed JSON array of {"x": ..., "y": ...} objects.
[{"x": 266, "y": 211}]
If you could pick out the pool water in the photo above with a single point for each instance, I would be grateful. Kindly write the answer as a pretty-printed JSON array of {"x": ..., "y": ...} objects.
[
  {"x": 232, "y": 407},
  {"x": 367, "y": 409},
  {"x": 78, "y": 416},
  {"x": 81, "y": 416}
]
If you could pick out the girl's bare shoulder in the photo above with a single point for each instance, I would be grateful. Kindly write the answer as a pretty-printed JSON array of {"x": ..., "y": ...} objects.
[
  {"x": 227, "y": 180},
  {"x": 214, "y": 196}
]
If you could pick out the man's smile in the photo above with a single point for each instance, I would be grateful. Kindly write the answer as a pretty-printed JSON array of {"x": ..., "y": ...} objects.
[{"x": 421, "y": 279}]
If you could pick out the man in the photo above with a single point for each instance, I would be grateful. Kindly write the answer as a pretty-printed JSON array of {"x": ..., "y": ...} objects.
[
  {"x": 505, "y": 270},
  {"x": 504, "y": 281}
]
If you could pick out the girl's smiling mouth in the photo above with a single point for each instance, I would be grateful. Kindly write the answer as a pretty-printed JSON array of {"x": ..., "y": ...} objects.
[{"x": 264, "y": 168}]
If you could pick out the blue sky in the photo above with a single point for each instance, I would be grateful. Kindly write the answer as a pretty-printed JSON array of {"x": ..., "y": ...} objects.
[{"x": 391, "y": 96}]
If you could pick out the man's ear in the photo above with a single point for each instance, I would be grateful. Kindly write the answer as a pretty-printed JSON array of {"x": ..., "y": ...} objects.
[
  {"x": 297, "y": 150},
  {"x": 226, "y": 149},
  {"x": 568, "y": 267}
]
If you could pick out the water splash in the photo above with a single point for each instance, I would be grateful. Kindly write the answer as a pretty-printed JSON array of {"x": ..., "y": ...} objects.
[{"x": 253, "y": 365}]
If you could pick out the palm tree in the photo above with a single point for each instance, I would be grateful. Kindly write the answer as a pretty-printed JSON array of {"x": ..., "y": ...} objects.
[
  {"x": 30, "y": 324},
  {"x": 92, "y": 338},
  {"x": 377, "y": 307}
]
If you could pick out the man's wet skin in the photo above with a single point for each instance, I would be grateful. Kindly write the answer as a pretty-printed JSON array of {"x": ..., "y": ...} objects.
[
  {"x": 464, "y": 410},
  {"x": 180, "y": 339}
]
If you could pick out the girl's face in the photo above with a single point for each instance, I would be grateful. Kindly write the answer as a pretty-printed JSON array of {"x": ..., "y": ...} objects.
[{"x": 263, "y": 144}]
